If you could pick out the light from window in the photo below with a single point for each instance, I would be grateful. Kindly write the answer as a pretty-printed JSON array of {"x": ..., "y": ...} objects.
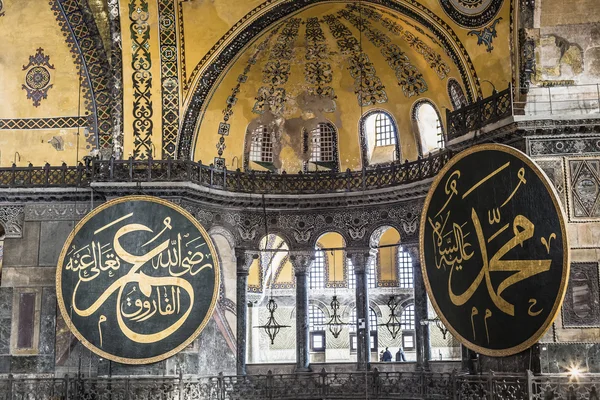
[
  {"x": 351, "y": 275},
  {"x": 371, "y": 276},
  {"x": 261, "y": 148},
  {"x": 317, "y": 341},
  {"x": 316, "y": 319},
  {"x": 430, "y": 128},
  {"x": 407, "y": 319},
  {"x": 317, "y": 270},
  {"x": 316, "y": 326},
  {"x": 457, "y": 96},
  {"x": 385, "y": 133},
  {"x": 405, "y": 269},
  {"x": 408, "y": 341},
  {"x": 323, "y": 143}
]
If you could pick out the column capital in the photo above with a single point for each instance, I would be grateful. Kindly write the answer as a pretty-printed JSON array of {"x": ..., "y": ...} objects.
[
  {"x": 359, "y": 258},
  {"x": 244, "y": 259},
  {"x": 301, "y": 261}
]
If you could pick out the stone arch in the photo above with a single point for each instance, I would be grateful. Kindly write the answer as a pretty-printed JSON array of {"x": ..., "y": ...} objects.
[
  {"x": 83, "y": 38},
  {"x": 226, "y": 233}
]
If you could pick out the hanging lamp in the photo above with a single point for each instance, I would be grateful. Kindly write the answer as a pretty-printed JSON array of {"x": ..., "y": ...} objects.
[
  {"x": 393, "y": 324},
  {"x": 335, "y": 324},
  {"x": 271, "y": 327},
  {"x": 438, "y": 323}
]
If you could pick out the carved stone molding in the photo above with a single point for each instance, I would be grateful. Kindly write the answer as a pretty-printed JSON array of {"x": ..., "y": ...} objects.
[
  {"x": 11, "y": 219},
  {"x": 563, "y": 145},
  {"x": 56, "y": 211}
]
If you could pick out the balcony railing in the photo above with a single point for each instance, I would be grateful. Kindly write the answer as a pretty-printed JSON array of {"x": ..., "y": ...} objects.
[
  {"x": 540, "y": 102},
  {"x": 479, "y": 114},
  {"x": 308, "y": 386},
  {"x": 234, "y": 181}
]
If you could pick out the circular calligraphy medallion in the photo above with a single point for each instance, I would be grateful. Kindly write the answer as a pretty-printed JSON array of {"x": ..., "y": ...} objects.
[
  {"x": 137, "y": 280},
  {"x": 494, "y": 249},
  {"x": 472, "y": 13}
]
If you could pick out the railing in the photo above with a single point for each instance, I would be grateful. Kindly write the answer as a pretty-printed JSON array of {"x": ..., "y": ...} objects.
[
  {"x": 234, "y": 181},
  {"x": 479, "y": 114},
  {"x": 309, "y": 386},
  {"x": 45, "y": 176},
  {"x": 551, "y": 101}
]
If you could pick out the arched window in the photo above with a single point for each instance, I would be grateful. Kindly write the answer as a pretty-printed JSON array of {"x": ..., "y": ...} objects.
[
  {"x": 371, "y": 276},
  {"x": 385, "y": 131},
  {"x": 317, "y": 270},
  {"x": 261, "y": 147},
  {"x": 379, "y": 138},
  {"x": 372, "y": 329},
  {"x": 456, "y": 94},
  {"x": 323, "y": 148},
  {"x": 407, "y": 324},
  {"x": 430, "y": 128},
  {"x": 405, "y": 269},
  {"x": 316, "y": 323}
]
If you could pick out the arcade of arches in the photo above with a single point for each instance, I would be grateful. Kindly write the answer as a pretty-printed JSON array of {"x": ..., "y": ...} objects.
[{"x": 304, "y": 136}]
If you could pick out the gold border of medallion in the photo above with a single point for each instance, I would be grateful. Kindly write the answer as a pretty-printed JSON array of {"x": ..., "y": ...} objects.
[
  {"x": 565, "y": 243},
  {"x": 209, "y": 313}
]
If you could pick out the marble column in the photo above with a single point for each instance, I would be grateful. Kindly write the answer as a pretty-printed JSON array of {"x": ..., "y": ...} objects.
[
  {"x": 360, "y": 261},
  {"x": 301, "y": 261},
  {"x": 244, "y": 259},
  {"x": 422, "y": 341}
]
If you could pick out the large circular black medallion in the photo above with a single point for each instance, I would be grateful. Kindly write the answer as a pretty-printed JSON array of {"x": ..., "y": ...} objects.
[
  {"x": 472, "y": 13},
  {"x": 137, "y": 280},
  {"x": 494, "y": 250}
]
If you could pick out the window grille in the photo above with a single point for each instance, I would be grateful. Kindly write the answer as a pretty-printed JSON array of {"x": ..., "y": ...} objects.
[
  {"x": 317, "y": 271},
  {"x": 323, "y": 143},
  {"x": 371, "y": 276},
  {"x": 385, "y": 133},
  {"x": 405, "y": 269},
  {"x": 261, "y": 148}
]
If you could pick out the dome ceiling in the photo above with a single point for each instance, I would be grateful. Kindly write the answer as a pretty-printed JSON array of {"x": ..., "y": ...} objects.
[{"x": 332, "y": 63}]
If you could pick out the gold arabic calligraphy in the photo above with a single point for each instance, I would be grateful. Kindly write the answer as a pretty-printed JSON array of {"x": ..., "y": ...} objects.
[
  {"x": 161, "y": 295},
  {"x": 454, "y": 245}
]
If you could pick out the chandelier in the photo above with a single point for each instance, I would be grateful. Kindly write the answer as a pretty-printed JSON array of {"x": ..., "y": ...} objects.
[
  {"x": 335, "y": 324},
  {"x": 438, "y": 322},
  {"x": 272, "y": 327},
  {"x": 393, "y": 324}
]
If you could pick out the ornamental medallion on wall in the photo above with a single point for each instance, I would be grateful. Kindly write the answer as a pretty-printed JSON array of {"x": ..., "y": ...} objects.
[
  {"x": 494, "y": 250},
  {"x": 137, "y": 280}
]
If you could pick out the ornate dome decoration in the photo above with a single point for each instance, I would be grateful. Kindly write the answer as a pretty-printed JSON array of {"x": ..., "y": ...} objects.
[
  {"x": 418, "y": 46},
  {"x": 472, "y": 13}
]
